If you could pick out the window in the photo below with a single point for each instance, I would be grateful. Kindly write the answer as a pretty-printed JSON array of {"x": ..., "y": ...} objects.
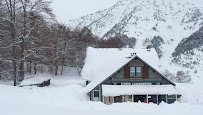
[
  {"x": 171, "y": 98},
  {"x": 153, "y": 83},
  {"x": 132, "y": 71},
  {"x": 127, "y": 98},
  {"x": 161, "y": 98},
  {"x": 96, "y": 93},
  {"x": 139, "y": 71}
]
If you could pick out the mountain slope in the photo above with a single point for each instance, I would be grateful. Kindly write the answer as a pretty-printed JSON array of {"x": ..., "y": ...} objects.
[
  {"x": 161, "y": 24},
  {"x": 189, "y": 52},
  {"x": 170, "y": 19},
  {"x": 130, "y": 16}
]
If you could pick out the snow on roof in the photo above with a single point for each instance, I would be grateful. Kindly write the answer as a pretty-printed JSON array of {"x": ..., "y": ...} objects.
[
  {"x": 35, "y": 79},
  {"x": 100, "y": 63},
  {"x": 117, "y": 90}
]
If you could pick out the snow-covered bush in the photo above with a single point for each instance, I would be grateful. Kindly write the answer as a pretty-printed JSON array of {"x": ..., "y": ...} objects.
[
  {"x": 179, "y": 77},
  {"x": 182, "y": 77},
  {"x": 169, "y": 75}
]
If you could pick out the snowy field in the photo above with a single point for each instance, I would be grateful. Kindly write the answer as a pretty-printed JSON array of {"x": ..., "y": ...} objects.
[{"x": 66, "y": 96}]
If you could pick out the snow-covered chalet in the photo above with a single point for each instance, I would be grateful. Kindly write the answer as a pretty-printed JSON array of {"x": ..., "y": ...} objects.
[{"x": 126, "y": 75}]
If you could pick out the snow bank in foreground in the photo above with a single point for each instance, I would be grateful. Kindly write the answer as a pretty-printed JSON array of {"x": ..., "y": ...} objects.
[
  {"x": 71, "y": 100},
  {"x": 67, "y": 97}
]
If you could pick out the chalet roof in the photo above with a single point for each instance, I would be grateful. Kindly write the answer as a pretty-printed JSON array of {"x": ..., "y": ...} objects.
[
  {"x": 117, "y": 90},
  {"x": 101, "y": 63}
]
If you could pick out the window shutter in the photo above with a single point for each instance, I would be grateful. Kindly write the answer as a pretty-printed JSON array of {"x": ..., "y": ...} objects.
[
  {"x": 126, "y": 72},
  {"x": 145, "y": 72}
]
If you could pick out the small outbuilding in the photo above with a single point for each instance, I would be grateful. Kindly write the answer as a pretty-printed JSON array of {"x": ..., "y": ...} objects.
[{"x": 36, "y": 81}]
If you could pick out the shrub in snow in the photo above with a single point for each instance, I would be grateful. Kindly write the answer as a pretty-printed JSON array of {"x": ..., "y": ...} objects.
[
  {"x": 169, "y": 75},
  {"x": 182, "y": 77},
  {"x": 195, "y": 71}
]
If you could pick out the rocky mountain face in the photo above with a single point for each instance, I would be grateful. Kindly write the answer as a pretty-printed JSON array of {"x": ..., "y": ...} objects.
[
  {"x": 157, "y": 44},
  {"x": 161, "y": 24},
  {"x": 189, "y": 52}
]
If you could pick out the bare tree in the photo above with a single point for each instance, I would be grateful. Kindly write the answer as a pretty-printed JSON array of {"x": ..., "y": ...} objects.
[
  {"x": 31, "y": 40},
  {"x": 31, "y": 11},
  {"x": 21, "y": 20},
  {"x": 9, "y": 31}
]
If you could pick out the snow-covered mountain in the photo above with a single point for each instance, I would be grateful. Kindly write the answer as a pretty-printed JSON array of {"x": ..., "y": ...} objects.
[{"x": 159, "y": 23}]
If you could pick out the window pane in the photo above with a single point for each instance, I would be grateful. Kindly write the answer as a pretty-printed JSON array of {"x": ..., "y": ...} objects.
[
  {"x": 96, "y": 93},
  {"x": 132, "y": 68},
  {"x": 138, "y": 74},
  {"x": 161, "y": 98},
  {"x": 132, "y": 71},
  {"x": 130, "y": 98},
  {"x": 171, "y": 98},
  {"x": 139, "y": 71}
]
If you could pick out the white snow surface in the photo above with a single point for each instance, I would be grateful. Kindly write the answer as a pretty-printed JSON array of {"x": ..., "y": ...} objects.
[
  {"x": 100, "y": 63},
  {"x": 65, "y": 97},
  {"x": 117, "y": 90}
]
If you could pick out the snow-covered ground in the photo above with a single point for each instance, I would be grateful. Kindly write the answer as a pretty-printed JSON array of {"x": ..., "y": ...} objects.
[{"x": 66, "y": 96}]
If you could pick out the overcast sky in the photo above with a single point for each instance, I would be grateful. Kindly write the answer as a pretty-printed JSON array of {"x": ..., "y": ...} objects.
[{"x": 73, "y": 9}]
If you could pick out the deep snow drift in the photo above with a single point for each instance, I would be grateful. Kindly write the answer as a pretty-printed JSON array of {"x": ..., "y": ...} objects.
[{"x": 66, "y": 96}]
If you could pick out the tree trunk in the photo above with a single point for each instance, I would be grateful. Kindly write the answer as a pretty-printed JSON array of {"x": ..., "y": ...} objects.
[
  {"x": 21, "y": 71},
  {"x": 56, "y": 69},
  {"x": 35, "y": 68},
  {"x": 21, "y": 67},
  {"x": 14, "y": 72},
  {"x": 63, "y": 61},
  {"x": 62, "y": 69},
  {"x": 30, "y": 68},
  {"x": 22, "y": 61},
  {"x": 13, "y": 37}
]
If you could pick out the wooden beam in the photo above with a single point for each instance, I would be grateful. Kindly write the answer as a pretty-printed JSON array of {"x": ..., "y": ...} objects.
[
  {"x": 132, "y": 98},
  {"x": 157, "y": 99},
  {"x": 176, "y": 98}
]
